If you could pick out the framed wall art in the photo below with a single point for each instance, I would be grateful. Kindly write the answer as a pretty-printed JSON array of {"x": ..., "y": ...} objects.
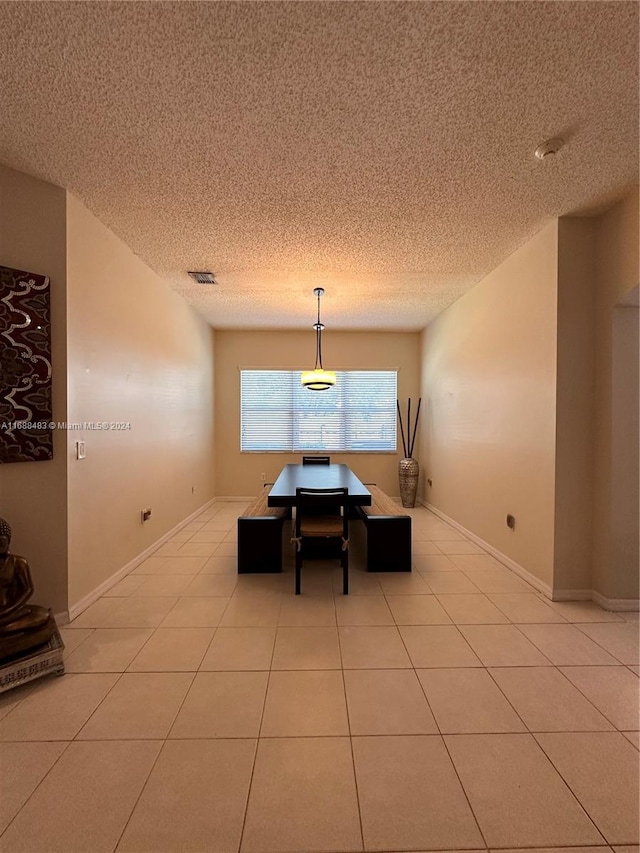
[{"x": 26, "y": 429}]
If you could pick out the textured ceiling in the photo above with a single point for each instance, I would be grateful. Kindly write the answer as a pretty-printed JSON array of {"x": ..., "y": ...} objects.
[{"x": 381, "y": 150}]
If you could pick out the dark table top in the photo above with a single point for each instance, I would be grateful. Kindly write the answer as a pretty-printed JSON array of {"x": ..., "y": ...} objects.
[{"x": 283, "y": 491}]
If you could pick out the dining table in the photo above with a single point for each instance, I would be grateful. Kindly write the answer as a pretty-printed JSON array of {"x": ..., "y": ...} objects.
[{"x": 334, "y": 476}]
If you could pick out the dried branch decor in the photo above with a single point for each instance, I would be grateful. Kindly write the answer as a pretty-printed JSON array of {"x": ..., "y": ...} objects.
[{"x": 411, "y": 435}]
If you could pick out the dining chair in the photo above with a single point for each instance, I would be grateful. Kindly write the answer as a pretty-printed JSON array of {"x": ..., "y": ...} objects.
[
  {"x": 311, "y": 524},
  {"x": 318, "y": 460}
]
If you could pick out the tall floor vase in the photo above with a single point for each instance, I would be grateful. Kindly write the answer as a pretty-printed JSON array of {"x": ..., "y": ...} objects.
[{"x": 408, "y": 470}]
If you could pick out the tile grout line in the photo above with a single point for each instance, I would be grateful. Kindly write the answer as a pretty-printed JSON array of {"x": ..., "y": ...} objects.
[
  {"x": 581, "y": 692},
  {"x": 567, "y": 785},
  {"x": 446, "y": 748},
  {"x": 604, "y": 649},
  {"x": 259, "y": 734},
  {"x": 163, "y": 743},
  {"x": 351, "y": 750},
  {"x": 37, "y": 786}
]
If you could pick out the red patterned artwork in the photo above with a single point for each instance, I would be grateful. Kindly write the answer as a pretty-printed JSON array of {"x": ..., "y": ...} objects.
[{"x": 26, "y": 431}]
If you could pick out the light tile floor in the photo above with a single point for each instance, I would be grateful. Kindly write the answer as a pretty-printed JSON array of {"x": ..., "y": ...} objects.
[{"x": 451, "y": 709}]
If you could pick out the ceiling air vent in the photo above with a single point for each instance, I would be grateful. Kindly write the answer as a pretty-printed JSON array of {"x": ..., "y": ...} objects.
[{"x": 203, "y": 277}]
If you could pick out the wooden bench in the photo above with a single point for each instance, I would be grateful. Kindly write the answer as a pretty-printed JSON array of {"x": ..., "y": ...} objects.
[
  {"x": 388, "y": 533},
  {"x": 260, "y": 536}
]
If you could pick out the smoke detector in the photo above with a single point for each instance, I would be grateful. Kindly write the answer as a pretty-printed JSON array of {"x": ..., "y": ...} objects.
[
  {"x": 203, "y": 277},
  {"x": 551, "y": 146}
]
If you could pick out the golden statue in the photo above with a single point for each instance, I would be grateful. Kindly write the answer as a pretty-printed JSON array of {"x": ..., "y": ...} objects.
[{"x": 22, "y": 626}]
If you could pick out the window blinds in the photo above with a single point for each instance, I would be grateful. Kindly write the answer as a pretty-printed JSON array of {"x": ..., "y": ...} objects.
[{"x": 357, "y": 414}]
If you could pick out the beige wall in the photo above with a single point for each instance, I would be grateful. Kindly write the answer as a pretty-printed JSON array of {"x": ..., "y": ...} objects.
[
  {"x": 138, "y": 354},
  {"x": 33, "y": 495},
  {"x": 617, "y": 271},
  {"x": 489, "y": 383},
  {"x": 574, "y": 406},
  {"x": 625, "y": 503},
  {"x": 239, "y": 473},
  {"x": 531, "y": 381}
]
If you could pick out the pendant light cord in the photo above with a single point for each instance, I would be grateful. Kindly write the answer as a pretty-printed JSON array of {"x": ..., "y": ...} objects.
[
  {"x": 318, "y": 379},
  {"x": 319, "y": 334}
]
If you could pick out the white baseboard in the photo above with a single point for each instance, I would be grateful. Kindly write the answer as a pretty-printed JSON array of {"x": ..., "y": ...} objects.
[
  {"x": 519, "y": 570},
  {"x": 572, "y": 595},
  {"x": 622, "y": 604},
  {"x": 236, "y": 498},
  {"x": 94, "y": 595}
]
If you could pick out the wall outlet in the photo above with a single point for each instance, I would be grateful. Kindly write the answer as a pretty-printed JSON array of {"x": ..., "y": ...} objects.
[
  {"x": 145, "y": 514},
  {"x": 430, "y": 482},
  {"x": 263, "y": 477},
  {"x": 193, "y": 490}
]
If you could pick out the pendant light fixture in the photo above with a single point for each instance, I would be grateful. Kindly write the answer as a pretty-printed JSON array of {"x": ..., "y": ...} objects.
[{"x": 318, "y": 379}]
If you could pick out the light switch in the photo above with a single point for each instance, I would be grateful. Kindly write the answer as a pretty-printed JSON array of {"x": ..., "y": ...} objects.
[{"x": 81, "y": 450}]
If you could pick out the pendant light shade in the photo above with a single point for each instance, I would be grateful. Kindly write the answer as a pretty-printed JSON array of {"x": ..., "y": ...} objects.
[{"x": 318, "y": 379}]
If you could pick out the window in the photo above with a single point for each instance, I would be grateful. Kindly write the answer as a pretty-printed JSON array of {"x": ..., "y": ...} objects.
[{"x": 358, "y": 414}]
